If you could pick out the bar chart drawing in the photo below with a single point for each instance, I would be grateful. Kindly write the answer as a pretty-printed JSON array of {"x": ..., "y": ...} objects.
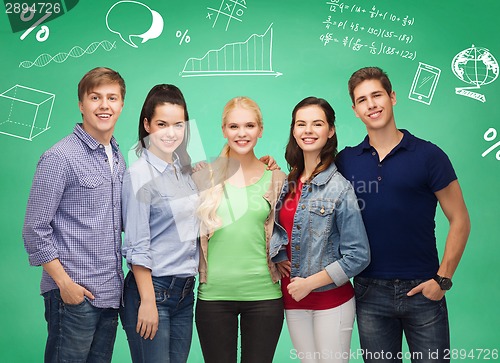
[{"x": 253, "y": 57}]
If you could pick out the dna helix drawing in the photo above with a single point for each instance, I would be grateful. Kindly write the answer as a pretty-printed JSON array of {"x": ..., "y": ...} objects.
[{"x": 76, "y": 52}]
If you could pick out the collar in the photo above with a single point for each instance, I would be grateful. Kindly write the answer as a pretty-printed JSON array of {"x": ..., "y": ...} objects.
[
  {"x": 325, "y": 175},
  {"x": 88, "y": 140},
  {"x": 160, "y": 165},
  {"x": 407, "y": 142}
]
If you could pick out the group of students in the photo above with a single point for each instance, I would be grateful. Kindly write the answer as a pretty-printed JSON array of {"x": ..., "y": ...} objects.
[{"x": 261, "y": 242}]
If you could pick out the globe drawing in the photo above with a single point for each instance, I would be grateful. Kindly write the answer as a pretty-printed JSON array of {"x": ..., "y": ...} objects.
[{"x": 475, "y": 66}]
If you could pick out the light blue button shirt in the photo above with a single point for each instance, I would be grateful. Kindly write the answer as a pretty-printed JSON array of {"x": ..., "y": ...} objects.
[{"x": 158, "y": 209}]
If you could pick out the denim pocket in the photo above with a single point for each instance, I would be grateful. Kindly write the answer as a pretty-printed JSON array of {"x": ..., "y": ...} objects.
[
  {"x": 320, "y": 216},
  {"x": 79, "y": 305},
  {"x": 360, "y": 289},
  {"x": 414, "y": 284},
  {"x": 429, "y": 308},
  {"x": 161, "y": 296},
  {"x": 78, "y": 311},
  {"x": 426, "y": 298}
]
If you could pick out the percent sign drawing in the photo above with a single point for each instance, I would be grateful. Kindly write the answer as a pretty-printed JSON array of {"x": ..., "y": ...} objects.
[
  {"x": 184, "y": 37},
  {"x": 43, "y": 33},
  {"x": 491, "y": 135}
]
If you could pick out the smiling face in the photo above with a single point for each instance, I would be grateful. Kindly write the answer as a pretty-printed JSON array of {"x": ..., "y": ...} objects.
[
  {"x": 166, "y": 130},
  {"x": 311, "y": 129},
  {"x": 241, "y": 129},
  {"x": 100, "y": 109},
  {"x": 373, "y": 105}
]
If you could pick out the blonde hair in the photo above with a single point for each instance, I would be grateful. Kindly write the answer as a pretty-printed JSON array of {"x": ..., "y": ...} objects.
[
  {"x": 221, "y": 170},
  {"x": 245, "y": 103}
]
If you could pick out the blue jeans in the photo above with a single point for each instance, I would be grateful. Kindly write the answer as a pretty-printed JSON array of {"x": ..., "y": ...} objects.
[
  {"x": 384, "y": 312},
  {"x": 78, "y": 333},
  {"x": 260, "y": 327},
  {"x": 174, "y": 301}
]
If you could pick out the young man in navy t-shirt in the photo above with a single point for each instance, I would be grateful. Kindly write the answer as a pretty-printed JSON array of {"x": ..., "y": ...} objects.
[{"x": 399, "y": 179}]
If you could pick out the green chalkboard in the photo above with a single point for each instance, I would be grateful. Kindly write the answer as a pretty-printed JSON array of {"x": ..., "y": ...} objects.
[{"x": 442, "y": 57}]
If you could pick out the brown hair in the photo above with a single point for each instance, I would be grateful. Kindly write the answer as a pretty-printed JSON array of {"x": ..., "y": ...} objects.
[
  {"x": 157, "y": 96},
  {"x": 294, "y": 154},
  {"x": 367, "y": 73},
  {"x": 98, "y": 76}
]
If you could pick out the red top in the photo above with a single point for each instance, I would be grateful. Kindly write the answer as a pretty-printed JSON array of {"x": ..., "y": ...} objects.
[{"x": 315, "y": 300}]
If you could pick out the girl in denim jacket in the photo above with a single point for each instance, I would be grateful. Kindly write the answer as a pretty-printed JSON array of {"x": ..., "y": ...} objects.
[{"x": 319, "y": 240}]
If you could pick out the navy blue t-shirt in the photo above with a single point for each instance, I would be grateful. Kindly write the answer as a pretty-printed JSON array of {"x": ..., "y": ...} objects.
[{"x": 398, "y": 204}]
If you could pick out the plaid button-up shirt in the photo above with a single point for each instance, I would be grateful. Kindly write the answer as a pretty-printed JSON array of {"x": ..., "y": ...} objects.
[{"x": 74, "y": 214}]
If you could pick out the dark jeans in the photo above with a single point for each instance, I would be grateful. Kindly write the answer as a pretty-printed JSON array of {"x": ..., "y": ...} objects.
[
  {"x": 384, "y": 312},
  {"x": 78, "y": 333},
  {"x": 174, "y": 301},
  {"x": 217, "y": 325}
]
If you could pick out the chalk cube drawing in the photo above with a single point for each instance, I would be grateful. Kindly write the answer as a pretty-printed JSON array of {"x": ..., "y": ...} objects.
[{"x": 25, "y": 112}]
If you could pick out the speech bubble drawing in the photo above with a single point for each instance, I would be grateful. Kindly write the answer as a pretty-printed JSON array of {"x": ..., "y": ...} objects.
[{"x": 117, "y": 21}]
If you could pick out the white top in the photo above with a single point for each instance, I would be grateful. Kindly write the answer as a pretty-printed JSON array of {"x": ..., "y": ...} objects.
[{"x": 109, "y": 153}]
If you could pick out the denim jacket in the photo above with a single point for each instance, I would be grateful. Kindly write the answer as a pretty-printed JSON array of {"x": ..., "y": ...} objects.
[{"x": 328, "y": 231}]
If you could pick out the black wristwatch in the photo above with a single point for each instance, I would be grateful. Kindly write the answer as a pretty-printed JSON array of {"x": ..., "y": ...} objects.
[{"x": 444, "y": 282}]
